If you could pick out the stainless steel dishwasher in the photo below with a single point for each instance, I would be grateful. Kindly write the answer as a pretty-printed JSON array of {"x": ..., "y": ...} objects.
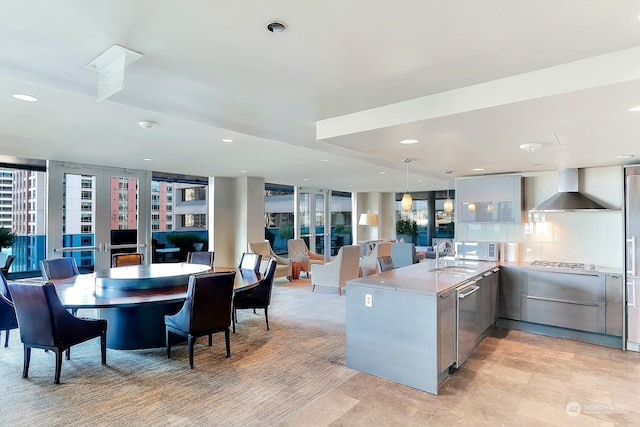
[{"x": 469, "y": 312}]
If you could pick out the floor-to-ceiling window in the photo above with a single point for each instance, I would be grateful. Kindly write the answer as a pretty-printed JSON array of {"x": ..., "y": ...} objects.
[
  {"x": 22, "y": 213},
  {"x": 179, "y": 216},
  {"x": 428, "y": 219}
]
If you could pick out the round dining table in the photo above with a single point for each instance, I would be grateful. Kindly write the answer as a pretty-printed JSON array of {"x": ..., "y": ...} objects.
[{"x": 135, "y": 299}]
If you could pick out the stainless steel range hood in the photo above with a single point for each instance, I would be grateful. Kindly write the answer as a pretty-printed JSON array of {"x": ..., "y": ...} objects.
[{"x": 568, "y": 198}]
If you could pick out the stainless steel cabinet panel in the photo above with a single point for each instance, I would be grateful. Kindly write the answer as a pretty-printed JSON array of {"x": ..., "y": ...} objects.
[
  {"x": 447, "y": 327},
  {"x": 574, "y": 301},
  {"x": 614, "y": 290},
  {"x": 509, "y": 293}
]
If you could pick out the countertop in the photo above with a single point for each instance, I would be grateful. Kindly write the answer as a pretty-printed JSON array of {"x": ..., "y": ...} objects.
[{"x": 420, "y": 278}]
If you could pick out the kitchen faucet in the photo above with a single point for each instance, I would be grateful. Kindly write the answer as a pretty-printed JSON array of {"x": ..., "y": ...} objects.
[{"x": 444, "y": 244}]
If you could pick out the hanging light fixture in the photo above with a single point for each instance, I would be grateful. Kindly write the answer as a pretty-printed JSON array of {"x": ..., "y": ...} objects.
[
  {"x": 448, "y": 204},
  {"x": 407, "y": 200}
]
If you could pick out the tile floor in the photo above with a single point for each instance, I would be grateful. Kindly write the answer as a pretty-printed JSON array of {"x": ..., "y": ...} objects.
[{"x": 513, "y": 379}]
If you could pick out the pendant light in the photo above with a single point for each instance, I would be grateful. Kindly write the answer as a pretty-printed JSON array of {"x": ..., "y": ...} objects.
[
  {"x": 407, "y": 200},
  {"x": 448, "y": 204}
]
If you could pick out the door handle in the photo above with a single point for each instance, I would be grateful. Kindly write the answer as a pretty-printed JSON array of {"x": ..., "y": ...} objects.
[
  {"x": 631, "y": 290},
  {"x": 473, "y": 290}
]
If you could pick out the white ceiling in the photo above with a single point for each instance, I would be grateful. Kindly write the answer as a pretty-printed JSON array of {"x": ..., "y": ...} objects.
[{"x": 345, "y": 82}]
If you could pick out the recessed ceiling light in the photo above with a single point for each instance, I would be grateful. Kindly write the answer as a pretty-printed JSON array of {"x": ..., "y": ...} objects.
[
  {"x": 306, "y": 179},
  {"x": 624, "y": 156},
  {"x": 227, "y": 140},
  {"x": 635, "y": 109},
  {"x": 382, "y": 172},
  {"x": 324, "y": 160},
  {"x": 408, "y": 141},
  {"x": 243, "y": 171},
  {"x": 531, "y": 146},
  {"x": 147, "y": 124},
  {"x": 23, "y": 97},
  {"x": 478, "y": 169},
  {"x": 147, "y": 160}
]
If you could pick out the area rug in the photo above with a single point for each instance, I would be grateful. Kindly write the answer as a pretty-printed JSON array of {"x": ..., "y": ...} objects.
[{"x": 270, "y": 374}]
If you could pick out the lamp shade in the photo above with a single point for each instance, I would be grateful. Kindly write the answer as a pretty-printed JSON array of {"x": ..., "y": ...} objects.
[
  {"x": 368, "y": 219},
  {"x": 448, "y": 205},
  {"x": 407, "y": 202}
]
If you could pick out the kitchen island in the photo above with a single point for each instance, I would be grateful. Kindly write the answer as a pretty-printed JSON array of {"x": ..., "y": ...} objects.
[{"x": 405, "y": 325}]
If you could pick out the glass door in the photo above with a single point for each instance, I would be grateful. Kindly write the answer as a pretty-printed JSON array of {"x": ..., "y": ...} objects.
[
  {"x": 312, "y": 224},
  {"x": 95, "y": 212}
]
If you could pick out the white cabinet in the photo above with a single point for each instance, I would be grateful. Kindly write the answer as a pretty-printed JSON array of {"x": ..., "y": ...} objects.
[{"x": 489, "y": 199}]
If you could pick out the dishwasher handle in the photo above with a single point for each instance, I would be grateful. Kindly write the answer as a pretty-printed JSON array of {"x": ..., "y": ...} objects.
[{"x": 471, "y": 290}]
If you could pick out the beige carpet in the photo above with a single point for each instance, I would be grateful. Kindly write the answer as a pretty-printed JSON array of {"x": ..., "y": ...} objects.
[{"x": 270, "y": 375}]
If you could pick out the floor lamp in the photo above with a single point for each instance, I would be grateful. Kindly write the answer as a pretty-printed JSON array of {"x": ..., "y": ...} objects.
[{"x": 369, "y": 219}]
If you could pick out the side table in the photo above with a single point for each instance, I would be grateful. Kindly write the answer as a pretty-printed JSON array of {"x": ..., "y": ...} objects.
[{"x": 295, "y": 270}]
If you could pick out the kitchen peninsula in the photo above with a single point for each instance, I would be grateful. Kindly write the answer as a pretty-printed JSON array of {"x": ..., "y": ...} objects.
[{"x": 411, "y": 324}]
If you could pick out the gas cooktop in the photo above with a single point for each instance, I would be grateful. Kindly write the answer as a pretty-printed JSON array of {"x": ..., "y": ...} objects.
[{"x": 563, "y": 266}]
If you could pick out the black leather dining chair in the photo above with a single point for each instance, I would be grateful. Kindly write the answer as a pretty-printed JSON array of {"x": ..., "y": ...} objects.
[
  {"x": 250, "y": 261},
  {"x": 206, "y": 311},
  {"x": 8, "y": 320},
  {"x": 204, "y": 258},
  {"x": 44, "y": 323},
  {"x": 5, "y": 269},
  {"x": 385, "y": 263},
  {"x": 122, "y": 260},
  {"x": 58, "y": 268},
  {"x": 258, "y": 296}
]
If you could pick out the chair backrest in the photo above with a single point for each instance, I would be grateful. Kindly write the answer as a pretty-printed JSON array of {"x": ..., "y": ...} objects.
[
  {"x": 39, "y": 310},
  {"x": 261, "y": 294},
  {"x": 385, "y": 263},
  {"x": 297, "y": 246},
  {"x": 403, "y": 254},
  {"x": 382, "y": 249},
  {"x": 250, "y": 261},
  {"x": 205, "y": 258},
  {"x": 59, "y": 268},
  {"x": 7, "y": 311},
  {"x": 121, "y": 260},
  {"x": 209, "y": 298},
  {"x": 8, "y": 263},
  {"x": 262, "y": 248},
  {"x": 4, "y": 288},
  {"x": 349, "y": 257}
]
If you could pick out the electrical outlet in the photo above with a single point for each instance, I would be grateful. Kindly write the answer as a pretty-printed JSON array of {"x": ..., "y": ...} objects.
[{"x": 368, "y": 300}]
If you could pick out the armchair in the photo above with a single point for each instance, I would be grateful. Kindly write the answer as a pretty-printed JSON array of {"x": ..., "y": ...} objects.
[
  {"x": 336, "y": 273},
  {"x": 300, "y": 253},
  {"x": 8, "y": 318},
  {"x": 283, "y": 268},
  {"x": 369, "y": 264},
  {"x": 44, "y": 323}
]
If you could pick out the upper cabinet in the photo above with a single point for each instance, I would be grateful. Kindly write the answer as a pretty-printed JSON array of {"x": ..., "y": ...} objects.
[{"x": 489, "y": 199}]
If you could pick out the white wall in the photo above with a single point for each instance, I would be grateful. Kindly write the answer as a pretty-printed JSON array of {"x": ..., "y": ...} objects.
[{"x": 588, "y": 237}]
